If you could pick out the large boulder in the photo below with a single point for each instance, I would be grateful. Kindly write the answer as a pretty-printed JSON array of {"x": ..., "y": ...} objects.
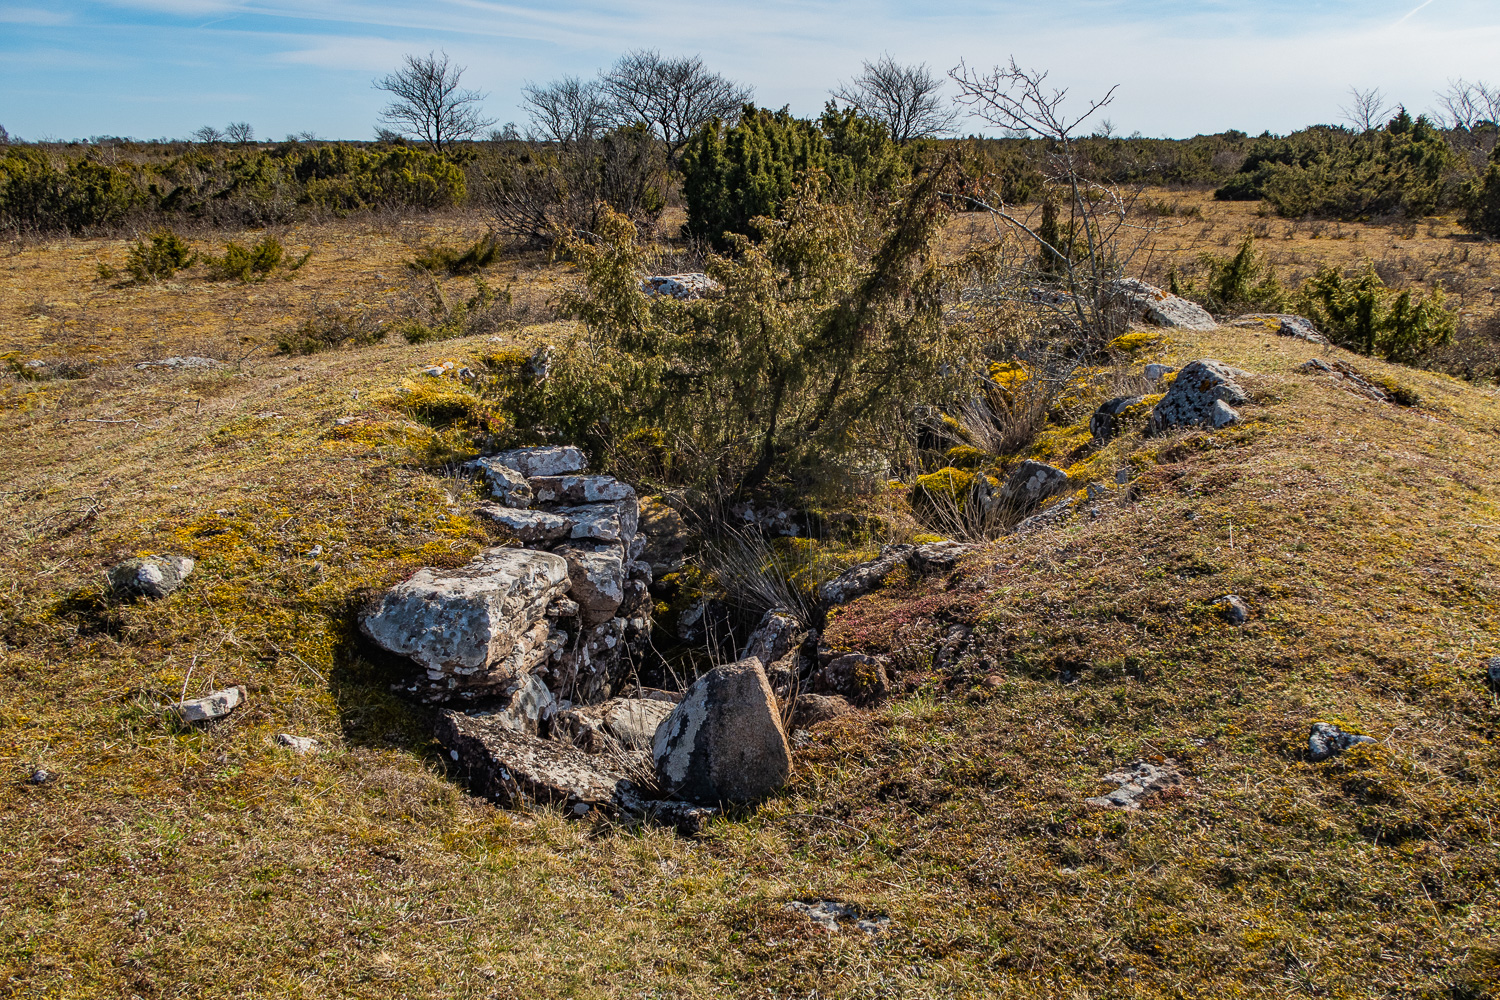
[
  {"x": 1203, "y": 394},
  {"x": 724, "y": 742},
  {"x": 149, "y": 576},
  {"x": 476, "y": 629},
  {"x": 1030, "y": 483},
  {"x": 1143, "y": 303}
]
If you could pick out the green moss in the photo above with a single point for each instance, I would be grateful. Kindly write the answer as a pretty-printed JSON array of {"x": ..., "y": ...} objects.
[{"x": 965, "y": 457}]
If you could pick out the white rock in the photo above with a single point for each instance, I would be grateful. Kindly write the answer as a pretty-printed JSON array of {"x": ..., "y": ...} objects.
[
  {"x": 555, "y": 460},
  {"x": 1145, "y": 303},
  {"x": 209, "y": 707},
  {"x": 297, "y": 744}
]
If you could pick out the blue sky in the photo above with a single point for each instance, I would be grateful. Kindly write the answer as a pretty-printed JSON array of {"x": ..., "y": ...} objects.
[{"x": 151, "y": 68}]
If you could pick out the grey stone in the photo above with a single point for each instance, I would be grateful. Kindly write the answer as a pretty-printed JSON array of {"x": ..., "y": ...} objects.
[
  {"x": 602, "y": 522},
  {"x": 866, "y": 576},
  {"x": 1030, "y": 483},
  {"x": 190, "y": 363},
  {"x": 1143, "y": 303},
  {"x": 1157, "y": 372},
  {"x": 579, "y": 489},
  {"x": 686, "y": 287},
  {"x": 476, "y": 629},
  {"x": 620, "y": 723},
  {"x": 526, "y": 708},
  {"x": 778, "y": 633},
  {"x": 150, "y": 576},
  {"x": 1494, "y": 670},
  {"x": 856, "y": 676},
  {"x": 1233, "y": 609},
  {"x": 531, "y": 527},
  {"x": 552, "y": 460},
  {"x": 810, "y": 709},
  {"x": 724, "y": 742},
  {"x": 1203, "y": 394},
  {"x": 1326, "y": 740},
  {"x": 1282, "y": 324},
  {"x": 1105, "y": 419},
  {"x": 597, "y": 579},
  {"x": 297, "y": 744},
  {"x": 40, "y": 776},
  {"x": 1053, "y": 517},
  {"x": 1135, "y": 782},
  {"x": 1347, "y": 376},
  {"x": 938, "y": 557},
  {"x": 595, "y": 661},
  {"x": 210, "y": 707},
  {"x": 506, "y": 484},
  {"x": 515, "y": 768},
  {"x": 827, "y": 915},
  {"x": 663, "y": 537}
]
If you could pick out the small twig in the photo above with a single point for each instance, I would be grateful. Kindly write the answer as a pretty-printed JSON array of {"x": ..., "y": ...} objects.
[{"x": 299, "y": 660}]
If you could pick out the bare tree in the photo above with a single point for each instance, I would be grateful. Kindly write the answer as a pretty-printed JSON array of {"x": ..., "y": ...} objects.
[
  {"x": 429, "y": 105},
  {"x": 674, "y": 97},
  {"x": 1464, "y": 104},
  {"x": 566, "y": 110},
  {"x": 905, "y": 99},
  {"x": 239, "y": 132},
  {"x": 4, "y": 136},
  {"x": 1367, "y": 109},
  {"x": 208, "y": 134}
]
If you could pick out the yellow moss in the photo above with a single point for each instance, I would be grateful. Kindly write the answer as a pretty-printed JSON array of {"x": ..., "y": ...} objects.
[
  {"x": 1135, "y": 341},
  {"x": 924, "y": 539},
  {"x": 950, "y": 483},
  {"x": 965, "y": 457}
]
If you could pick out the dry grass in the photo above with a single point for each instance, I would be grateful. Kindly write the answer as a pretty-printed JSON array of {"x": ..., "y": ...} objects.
[{"x": 161, "y": 861}]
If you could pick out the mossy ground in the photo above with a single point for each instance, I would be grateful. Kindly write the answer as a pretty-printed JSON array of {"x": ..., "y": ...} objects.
[{"x": 162, "y": 860}]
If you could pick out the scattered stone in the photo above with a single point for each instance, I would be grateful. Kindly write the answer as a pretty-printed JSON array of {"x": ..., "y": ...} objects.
[
  {"x": 297, "y": 744},
  {"x": 827, "y": 914},
  {"x": 531, "y": 527},
  {"x": 1326, "y": 740},
  {"x": 938, "y": 557},
  {"x": 580, "y": 489},
  {"x": 1102, "y": 424},
  {"x": 1350, "y": 379},
  {"x": 1203, "y": 394},
  {"x": 778, "y": 633},
  {"x": 854, "y": 675},
  {"x": 1148, "y": 304},
  {"x": 810, "y": 709},
  {"x": 724, "y": 743},
  {"x": 210, "y": 707},
  {"x": 182, "y": 364},
  {"x": 1030, "y": 483},
  {"x": 1282, "y": 324},
  {"x": 505, "y": 483},
  {"x": 865, "y": 577},
  {"x": 40, "y": 776},
  {"x": 1052, "y": 517},
  {"x": 475, "y": 629},
  {"x": 555, "y": 460},
  {"x": 516, "y": 769},
  {"x": 1494, "y": 671},
  {"x": 692, "y": 285},
  {"x": 597, "y": 575},
  {"x": 1233, "y": 609},
  {"x": 150, "y": 576},
  {"x": 1135, "y": 783},
  {"x": 1157, "y": 372}
]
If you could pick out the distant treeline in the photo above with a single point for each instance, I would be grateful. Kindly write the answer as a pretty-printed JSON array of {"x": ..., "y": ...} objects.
[{"x": 728, "y": 172}]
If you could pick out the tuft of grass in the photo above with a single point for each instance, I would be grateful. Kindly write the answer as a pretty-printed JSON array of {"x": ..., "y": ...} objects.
[{"x": 459, "y": 261}]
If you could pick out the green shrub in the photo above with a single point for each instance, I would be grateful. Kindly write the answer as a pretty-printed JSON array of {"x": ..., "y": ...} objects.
[
  {"x": 1359, "y": 312},
  {"x": 826, "y": 338},
  {"x": 331, "y": 325},
  {"x": 734, "y": 175},
  {"x": 162, "y": 254},
  {"x": 347, "y": 178},
  {"x": 250, "y": 263},
  {"x": 454, "y": 262},
  {"x": 1482, "y": 199},
  {"x": 438, "y": 318},
  {"x": 36, "y": 192},
  {"x": 1242, "y": 283}
]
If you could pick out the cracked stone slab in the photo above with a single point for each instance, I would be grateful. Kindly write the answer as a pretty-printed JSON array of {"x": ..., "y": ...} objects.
[{"x": 1135, "y": 783}]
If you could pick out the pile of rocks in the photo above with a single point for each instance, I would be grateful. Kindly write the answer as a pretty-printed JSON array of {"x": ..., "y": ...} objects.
[{"x": 692, "y": 285}]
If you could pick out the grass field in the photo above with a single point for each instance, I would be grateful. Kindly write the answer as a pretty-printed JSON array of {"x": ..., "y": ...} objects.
[{"x": 163, "y": 861}]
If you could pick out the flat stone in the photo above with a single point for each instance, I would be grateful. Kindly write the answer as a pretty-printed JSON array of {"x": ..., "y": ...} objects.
[
  {"x": 190, "y": 363},
  {"x": 602, "y": 522},
  {"x": 1157, "y": 372},
  {"x": 514, "y": 768},
  {"x": 531, "y": 527},
  {"x": 1283, "y": 325},
  {"x": 687, "y": 286},
  {"x": 832, "y": 916},
  {"x": 866, "y": 576},
  {"x": 150, "y": 576},
  {"x": 724, "y": 742},
  {"x": 1326, "y": 740},
  {"x": 938, "y": 557},
  {"x": 506, "y": 484},
  {"x": 552, "y": 460},
  {"x": 297, "y": 744},
  {"x": 579, "y": 489},
  {"x": 1145, "y": 303},
  {"x": 210, "y": 707},
  {"x": 1135, "y": 783}
]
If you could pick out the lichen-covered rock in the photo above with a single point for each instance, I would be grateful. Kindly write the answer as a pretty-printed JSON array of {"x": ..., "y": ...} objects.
[
  {"x": 1283, "y": 325},
  {"x": 597, "y": 579},
  {"x": 476, "y": 629},
  {"x": 1053, "y": 517},
  {"x": 866, "y": 576},
  {"x": 1142, "y": 303},
  {"x": 579, "y": 489},
  {"x": 552, "y": 460},
  {"x": 778, "y": 633},
  {"x": 1105, "y": 419},
  {"x": 505, "y": 483},
  {"x": 531, "y": 527},
  {"x": 1157, "y": 372},
  {"x": 1203, "y": 394},
  {"x": 1326, "y": 740},
  {"x": 1233, "y": 609},
  {"x": 938, "y": 557},
  {"x": 594, "y": 661},
  {"x": 855, "y": 676},
  {"x": 1135, "y": 783},
  {"x": 1030, "y": 483},
  {"x": 514, "y": 768},
  {"x": 150, "y": 576},
  {"x": 664, "y": 537},
  {"x": 210, "y": 707},
  {"x": 687, "y": 286},
  {"x": 602, "y": 522},
  {"x": 628, "y": 723},
  {"x": 724, "y": 742},
  {"x": 526, "y": 708}
]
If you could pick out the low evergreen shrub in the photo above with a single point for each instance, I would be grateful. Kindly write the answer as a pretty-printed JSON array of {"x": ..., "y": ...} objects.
[
  {"x": 1359, "y": 312},
  {"x": 162, "y": 254}
]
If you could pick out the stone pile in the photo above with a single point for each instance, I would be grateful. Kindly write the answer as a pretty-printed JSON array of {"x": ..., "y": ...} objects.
[{"x": 693, "y": 285}]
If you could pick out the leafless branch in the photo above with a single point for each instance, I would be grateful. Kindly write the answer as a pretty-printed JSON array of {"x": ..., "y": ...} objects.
[
  {"x": 905, "y": 99},
  {"x": 429, "y": 104}
]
